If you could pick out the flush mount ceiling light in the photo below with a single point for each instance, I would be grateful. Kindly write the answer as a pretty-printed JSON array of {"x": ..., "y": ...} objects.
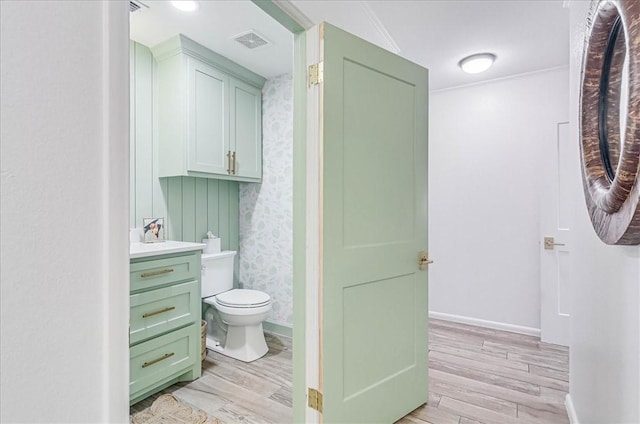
[
  {"x": 477, "y": 63},
  {"x": 186, "y": 5}
]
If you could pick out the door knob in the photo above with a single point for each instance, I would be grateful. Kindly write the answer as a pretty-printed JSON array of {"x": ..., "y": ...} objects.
[
  {"x": 423, "y": 260},
  {"x": 549, "y": 243}
]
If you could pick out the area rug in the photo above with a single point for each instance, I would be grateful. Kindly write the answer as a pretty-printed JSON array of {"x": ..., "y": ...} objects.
[{"x": 168, "y": 409}]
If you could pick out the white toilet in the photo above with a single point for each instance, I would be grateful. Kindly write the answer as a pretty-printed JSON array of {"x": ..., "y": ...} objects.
[{"x": 234, "y": 316}]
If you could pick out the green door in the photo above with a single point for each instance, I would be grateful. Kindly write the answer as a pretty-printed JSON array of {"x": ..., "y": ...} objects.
[{"x": 373, "y": 308}]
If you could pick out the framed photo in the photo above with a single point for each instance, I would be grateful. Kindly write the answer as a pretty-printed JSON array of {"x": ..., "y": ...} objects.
[{"x": 153, "y": 230}]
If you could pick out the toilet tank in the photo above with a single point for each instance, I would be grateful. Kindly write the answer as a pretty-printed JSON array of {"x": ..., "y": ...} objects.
[{"x": 217, "y": 272}]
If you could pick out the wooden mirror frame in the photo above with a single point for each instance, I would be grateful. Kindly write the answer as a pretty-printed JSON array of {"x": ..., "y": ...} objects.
[{"x": 613, "y": 203}]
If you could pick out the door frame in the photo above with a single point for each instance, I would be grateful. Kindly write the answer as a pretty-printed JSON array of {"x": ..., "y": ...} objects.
[
  {"x": 554, "y": 326},
  {"x": 305, "y": 368},
  {"x": 284, "y": 12}
]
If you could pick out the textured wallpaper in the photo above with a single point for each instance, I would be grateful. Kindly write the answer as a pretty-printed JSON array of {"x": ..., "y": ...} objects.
[{"x": 266, "y": 210}]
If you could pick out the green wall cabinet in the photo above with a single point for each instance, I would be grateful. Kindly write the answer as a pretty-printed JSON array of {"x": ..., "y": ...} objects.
[
  {"x": 209, "y": 114},
  {"x": 245, "y": 131},
  {"x": 164, "y": 330}
]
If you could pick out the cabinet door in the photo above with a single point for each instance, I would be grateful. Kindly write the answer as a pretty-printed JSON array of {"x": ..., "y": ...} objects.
[
  {"x": 162, "y": 310},
  {"x": 161, "y": 359},
  {"x": 208, "y": 117},
  {"x": 246, "y": 129}
]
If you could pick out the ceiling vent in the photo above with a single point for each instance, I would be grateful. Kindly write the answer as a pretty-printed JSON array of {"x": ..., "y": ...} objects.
[
  {"x": 251, "y": 40},
  {"x": 136, "y": 5}
]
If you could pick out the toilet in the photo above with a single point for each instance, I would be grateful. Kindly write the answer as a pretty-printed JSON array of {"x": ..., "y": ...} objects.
[{"x": 234, "y": 316}]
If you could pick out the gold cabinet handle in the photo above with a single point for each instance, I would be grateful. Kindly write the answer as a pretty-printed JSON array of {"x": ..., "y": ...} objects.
[
  {"x": 154, "y": 273},
  {"x": 233, "y": 168},
  {"x": 155, "y": 361},
  {"x": 161, "y": 311},
  {"x": 229, "y": 169}
]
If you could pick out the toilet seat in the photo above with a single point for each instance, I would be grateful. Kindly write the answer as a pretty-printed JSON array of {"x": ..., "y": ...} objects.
[{"x": 243, "y": 298}]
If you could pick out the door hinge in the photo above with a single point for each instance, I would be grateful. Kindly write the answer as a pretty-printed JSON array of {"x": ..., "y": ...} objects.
[
  {"x": 315, "y": 399},
  {"x": 316, "y": 74}
]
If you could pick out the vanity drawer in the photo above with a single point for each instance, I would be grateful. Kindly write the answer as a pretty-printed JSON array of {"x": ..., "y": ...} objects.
[
  {"x": 161, "y": 310},
  {"x": 149, "y": 273},
  {"x": 162, "y": 359}
]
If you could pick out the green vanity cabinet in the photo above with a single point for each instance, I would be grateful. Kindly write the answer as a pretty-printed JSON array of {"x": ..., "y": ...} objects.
[
  {"x": 209, "y": 114},
  {"x": 164, "y": 322}
]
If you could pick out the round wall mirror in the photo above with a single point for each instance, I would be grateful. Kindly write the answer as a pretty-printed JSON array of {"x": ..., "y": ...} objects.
[
  {"x": 610, "y": 100},
  {"x": 610, "y": 121}
]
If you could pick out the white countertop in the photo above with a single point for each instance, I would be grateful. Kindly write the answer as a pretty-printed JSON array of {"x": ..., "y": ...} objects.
[{"x": 142, "y": 250}]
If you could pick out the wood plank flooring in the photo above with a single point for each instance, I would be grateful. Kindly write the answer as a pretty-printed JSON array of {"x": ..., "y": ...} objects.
[
  {"x": 235, "y": 391},
  {"x": 481, "y": 375},
  {"x": 476, "y": 376}
]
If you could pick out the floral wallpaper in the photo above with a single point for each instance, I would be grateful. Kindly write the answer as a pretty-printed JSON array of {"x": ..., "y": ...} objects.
[{"x": 266, "y": 209}]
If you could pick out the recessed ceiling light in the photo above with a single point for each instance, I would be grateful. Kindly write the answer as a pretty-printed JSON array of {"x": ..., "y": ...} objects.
[
  {"x": 477, "y": 63},
  {"x": 186, "y": 5}
]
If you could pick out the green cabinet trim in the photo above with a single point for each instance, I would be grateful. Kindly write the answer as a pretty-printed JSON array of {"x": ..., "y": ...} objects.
[
  {"x": 164, "y": 322},
  {"x": 181, "y": 44}
]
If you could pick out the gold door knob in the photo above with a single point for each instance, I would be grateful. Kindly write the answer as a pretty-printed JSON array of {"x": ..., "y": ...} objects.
[
  {"x": 549, "y": 243},
  {"x": 423, "y": 260}
]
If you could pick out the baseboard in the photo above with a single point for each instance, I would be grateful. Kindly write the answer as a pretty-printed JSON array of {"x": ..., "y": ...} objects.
[
  {"x": 280, "y": 329},
  {"x": 571, "y": 411},
  {"x": 484, "y": 323}
]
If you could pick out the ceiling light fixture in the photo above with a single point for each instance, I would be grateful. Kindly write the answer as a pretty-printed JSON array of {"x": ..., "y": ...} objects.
[
  {"x": 186, "y": 5},
  {"x": 477, "y": 63}
]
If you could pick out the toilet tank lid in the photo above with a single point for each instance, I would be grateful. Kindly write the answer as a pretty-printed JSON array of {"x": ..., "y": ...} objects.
[
  {"x": 220, "y": 255},
  {"x": 243, "y": 297}
]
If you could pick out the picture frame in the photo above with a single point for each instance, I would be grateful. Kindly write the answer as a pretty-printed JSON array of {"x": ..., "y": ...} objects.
[{"x": 153, "y": 230}]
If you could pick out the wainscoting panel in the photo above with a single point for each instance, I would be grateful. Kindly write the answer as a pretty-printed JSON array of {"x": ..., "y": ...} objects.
[{"x": 197, "y": 205}]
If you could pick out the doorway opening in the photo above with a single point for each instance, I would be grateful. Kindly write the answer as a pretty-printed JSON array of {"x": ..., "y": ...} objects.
[{"x": 237, "y": 211}]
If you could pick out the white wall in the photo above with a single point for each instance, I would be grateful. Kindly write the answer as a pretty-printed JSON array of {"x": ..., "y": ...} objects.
[
  {"x": 266, "y": 209},
  {"x": 605, "y": 322},
  {"x": 64, "y": 211},
  {"x": 484, "y": 154}
]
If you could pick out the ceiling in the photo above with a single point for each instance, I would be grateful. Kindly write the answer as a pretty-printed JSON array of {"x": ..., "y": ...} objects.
[
  {"x": 526, "y": 35},
  {"x": 215, "y": 25}
]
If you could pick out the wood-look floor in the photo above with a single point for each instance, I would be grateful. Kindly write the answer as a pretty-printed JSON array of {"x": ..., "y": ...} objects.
[
  {"x": 480, "y": 375},
  {"x": 476, "y": 375}
]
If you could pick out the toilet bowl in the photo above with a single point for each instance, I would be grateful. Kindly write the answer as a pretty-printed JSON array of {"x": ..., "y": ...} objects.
[{"x": 234, "y": 316}]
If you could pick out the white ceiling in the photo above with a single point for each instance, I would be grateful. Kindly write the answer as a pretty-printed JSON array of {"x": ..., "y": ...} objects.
[
  {"x": 526, "y": 35},
  {"x": 215, "y": 25}
]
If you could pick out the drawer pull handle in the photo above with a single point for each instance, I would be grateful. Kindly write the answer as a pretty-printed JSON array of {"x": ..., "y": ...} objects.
[
  {"x": 155, "y": 361},
  {"x": 159, "y": 272},
  {"x": 161, "y": 311}
]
